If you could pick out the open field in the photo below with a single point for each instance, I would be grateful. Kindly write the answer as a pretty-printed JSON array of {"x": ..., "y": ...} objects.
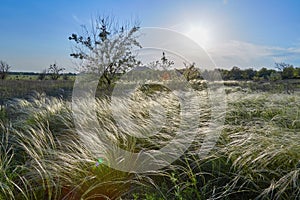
[
  {"x": 149, "y": 100},
  {"x": 257, "y": 155},
  {"x": 10, "y": 89}
]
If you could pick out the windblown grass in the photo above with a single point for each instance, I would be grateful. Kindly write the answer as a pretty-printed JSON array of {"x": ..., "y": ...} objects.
[{"x": 257, "y": 156}]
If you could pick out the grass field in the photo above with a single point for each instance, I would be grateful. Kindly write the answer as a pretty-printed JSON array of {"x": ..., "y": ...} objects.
[
  {"x": 257, "y": 156},
  {"x": 10, "y": 89}
]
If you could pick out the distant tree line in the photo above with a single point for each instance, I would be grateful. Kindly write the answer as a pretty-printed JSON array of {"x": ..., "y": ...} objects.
[
  {"x": 284, "y": 71},
  {"x": 34, "y": 73}
]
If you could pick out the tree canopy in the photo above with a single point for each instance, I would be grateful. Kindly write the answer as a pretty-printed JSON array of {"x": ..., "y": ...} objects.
[{"x": 106, "y": 48}]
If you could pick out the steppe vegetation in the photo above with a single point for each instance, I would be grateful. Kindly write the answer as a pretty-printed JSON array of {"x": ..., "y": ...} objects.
[
  {"x": 257, "y": 154},
  {"x": 43, "y": 154}
]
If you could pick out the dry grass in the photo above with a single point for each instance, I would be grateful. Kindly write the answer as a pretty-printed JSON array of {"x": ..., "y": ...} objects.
[{"x": 257, "y": 156}]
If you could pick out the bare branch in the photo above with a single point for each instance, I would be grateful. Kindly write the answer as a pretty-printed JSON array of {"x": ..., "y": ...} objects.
[
  {"x": 106, "y": 47},
  {"x": 4, "y": 69}
]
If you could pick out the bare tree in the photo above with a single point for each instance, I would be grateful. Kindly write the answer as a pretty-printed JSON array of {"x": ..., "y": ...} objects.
[
  {"x": 4, "y": 69},
  {"x": 106, "y": 48},
  {"x": 55, "y": 71},
  {"x": 282, "y": 66},
  {"x": 163, "y": 63},
  {"x": 42, "y": 75}
]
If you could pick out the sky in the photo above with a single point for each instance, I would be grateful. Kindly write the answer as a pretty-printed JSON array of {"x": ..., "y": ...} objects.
[{"x": 243, "y": 33}]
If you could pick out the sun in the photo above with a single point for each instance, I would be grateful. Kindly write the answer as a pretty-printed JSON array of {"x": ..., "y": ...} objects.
[{"x": 199, "y": 34}]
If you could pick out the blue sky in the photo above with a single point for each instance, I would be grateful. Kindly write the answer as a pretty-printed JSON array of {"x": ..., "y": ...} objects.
[{"x": 246, "y": 33}]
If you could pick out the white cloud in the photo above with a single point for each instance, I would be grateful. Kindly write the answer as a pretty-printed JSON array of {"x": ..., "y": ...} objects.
[{"x": 243, "y": 54}]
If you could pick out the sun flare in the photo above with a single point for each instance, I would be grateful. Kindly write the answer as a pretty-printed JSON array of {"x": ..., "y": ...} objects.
[{"x": 199, "y": 34}]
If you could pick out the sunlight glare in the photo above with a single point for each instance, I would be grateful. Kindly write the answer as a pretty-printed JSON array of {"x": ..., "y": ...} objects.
[{"x": 199, "y": 34}]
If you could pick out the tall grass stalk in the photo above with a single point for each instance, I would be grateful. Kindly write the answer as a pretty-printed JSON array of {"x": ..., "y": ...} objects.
[{"x": 44, "y": 156}]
